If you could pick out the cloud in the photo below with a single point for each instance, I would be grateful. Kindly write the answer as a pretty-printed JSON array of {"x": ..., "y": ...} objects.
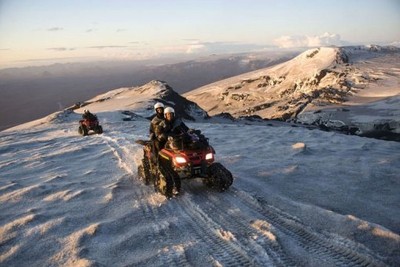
[
  {"x": 55, "y": 29},
  {"x": 395, "y": 43},
  {"x": 61, "y": 49},
  {"x": 106, "y": 46},
  {"x": 195, "y": 46},
  {"x": 121, "y": 30},
  {"x": 325, "y": 39},
  {"x": 90, "y": 30}
]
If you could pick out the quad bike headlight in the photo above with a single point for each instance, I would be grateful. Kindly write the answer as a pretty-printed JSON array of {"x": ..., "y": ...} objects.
[
  {"x": 180, "y": 160},
  {"x": 209, "y": 156}
]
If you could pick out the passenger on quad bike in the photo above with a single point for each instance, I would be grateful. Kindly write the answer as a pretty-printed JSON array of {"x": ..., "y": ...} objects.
[
  {"x": 158, "y": 117},
  {"x": 88, "y": 116},
  {"x": 154, "y": 126},
  {"x": 171, "y": 126},
  {"x": 89, "y": 122},
  {"x": 185, "y": 154}
]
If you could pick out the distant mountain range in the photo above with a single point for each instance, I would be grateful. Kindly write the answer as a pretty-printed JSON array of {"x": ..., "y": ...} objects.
[
  {"x": 350, "y": 89},
  {"x": 33, "y": 92}
]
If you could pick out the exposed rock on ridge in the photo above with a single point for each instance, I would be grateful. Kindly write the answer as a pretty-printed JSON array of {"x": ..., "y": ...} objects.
[
  {"x": 316, "y": 80},
  {"x": 141, "y": 100}
]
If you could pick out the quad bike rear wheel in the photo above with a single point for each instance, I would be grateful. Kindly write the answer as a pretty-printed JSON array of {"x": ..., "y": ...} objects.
[
  {"x": 82, "y": 130},
  {"x": 219, "y": 177}
]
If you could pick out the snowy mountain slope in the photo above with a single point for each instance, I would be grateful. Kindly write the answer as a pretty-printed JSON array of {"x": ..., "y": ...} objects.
[
  {"x": 143, "y": 98},
  {"x": 320, "y": 80},
  {"x": 300, "y": 197},
  {"x": 61, "y": 85}
]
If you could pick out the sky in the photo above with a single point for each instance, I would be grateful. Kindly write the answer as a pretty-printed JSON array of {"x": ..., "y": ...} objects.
[{"x": 45, "y": 31}]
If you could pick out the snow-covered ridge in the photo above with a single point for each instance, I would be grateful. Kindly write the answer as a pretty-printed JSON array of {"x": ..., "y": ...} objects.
[
  {"x": 129, "y": 103},
  {"x": 313, "y": 81},
  {"x": 142, "y": 99}
]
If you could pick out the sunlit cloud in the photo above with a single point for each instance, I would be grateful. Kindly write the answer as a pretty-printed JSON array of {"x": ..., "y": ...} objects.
[
  {"x": 396, "y": 43},
  {"x": 293, "y": 41},
  {"x": 196, "y": 46}
]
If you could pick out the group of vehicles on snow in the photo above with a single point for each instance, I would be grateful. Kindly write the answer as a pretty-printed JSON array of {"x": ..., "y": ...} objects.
[{"x": 173, "y": 153}]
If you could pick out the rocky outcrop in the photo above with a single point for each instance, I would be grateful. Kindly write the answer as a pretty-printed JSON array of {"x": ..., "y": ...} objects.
[{"x": 184, "y": 108}]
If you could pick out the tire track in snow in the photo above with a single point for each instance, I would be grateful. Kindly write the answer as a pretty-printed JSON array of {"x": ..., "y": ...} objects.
[
  {"x": 322, "y": 246},
  {"x": 193, "y": 228},
  {"x": 157, "y": 211},
  {"x": 121, "y": 151},
  {"x": 151, "y": 211},
  {"x": 253, "y": 237},
  {"x": 220, "y": 245}
]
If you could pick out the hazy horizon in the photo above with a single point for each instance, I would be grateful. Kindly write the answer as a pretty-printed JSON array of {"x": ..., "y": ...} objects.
[{"x": 46, "y": 32}]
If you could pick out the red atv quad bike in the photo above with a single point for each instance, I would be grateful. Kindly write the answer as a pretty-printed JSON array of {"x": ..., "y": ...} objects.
[
  {"x": 87, "y": 125},
  {"x": 187, "y": 156}
]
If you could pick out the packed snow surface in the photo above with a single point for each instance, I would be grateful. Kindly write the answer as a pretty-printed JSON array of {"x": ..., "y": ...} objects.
[{"x": 300, "y": 198}]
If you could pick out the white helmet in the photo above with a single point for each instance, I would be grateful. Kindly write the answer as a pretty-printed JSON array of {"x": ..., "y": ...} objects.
[
  {"x": 169, "y": 110},
  {"x": 158, "y": 105}
]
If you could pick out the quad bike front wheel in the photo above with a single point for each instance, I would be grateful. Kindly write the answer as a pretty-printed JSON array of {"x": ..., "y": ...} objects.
[
  {"x": 164, "y": 182},
  {"x": 145, "y": 172},
  {"x": 167, "y": 182},
  {"x": 219, "y": 177},
  {"x": 98, "y": 130}
]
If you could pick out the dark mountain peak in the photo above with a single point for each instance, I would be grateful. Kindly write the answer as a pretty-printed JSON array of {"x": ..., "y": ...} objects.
[{"x": 182, "y": 106}]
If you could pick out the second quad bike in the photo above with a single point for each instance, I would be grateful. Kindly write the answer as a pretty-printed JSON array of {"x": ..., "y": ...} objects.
[
  {"x": 87, "y": 125},
  {"x": 187, "y": 156}
]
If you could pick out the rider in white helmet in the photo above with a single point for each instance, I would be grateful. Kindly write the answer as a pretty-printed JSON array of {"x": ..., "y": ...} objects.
[
  {"x": 158, "y": 117},
  {"x": 172, "y": 125},
  {"x": 159, "y": 107}
]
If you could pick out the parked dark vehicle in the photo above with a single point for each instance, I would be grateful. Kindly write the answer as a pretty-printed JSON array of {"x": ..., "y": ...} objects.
[{"x": 87, "y": 125}]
